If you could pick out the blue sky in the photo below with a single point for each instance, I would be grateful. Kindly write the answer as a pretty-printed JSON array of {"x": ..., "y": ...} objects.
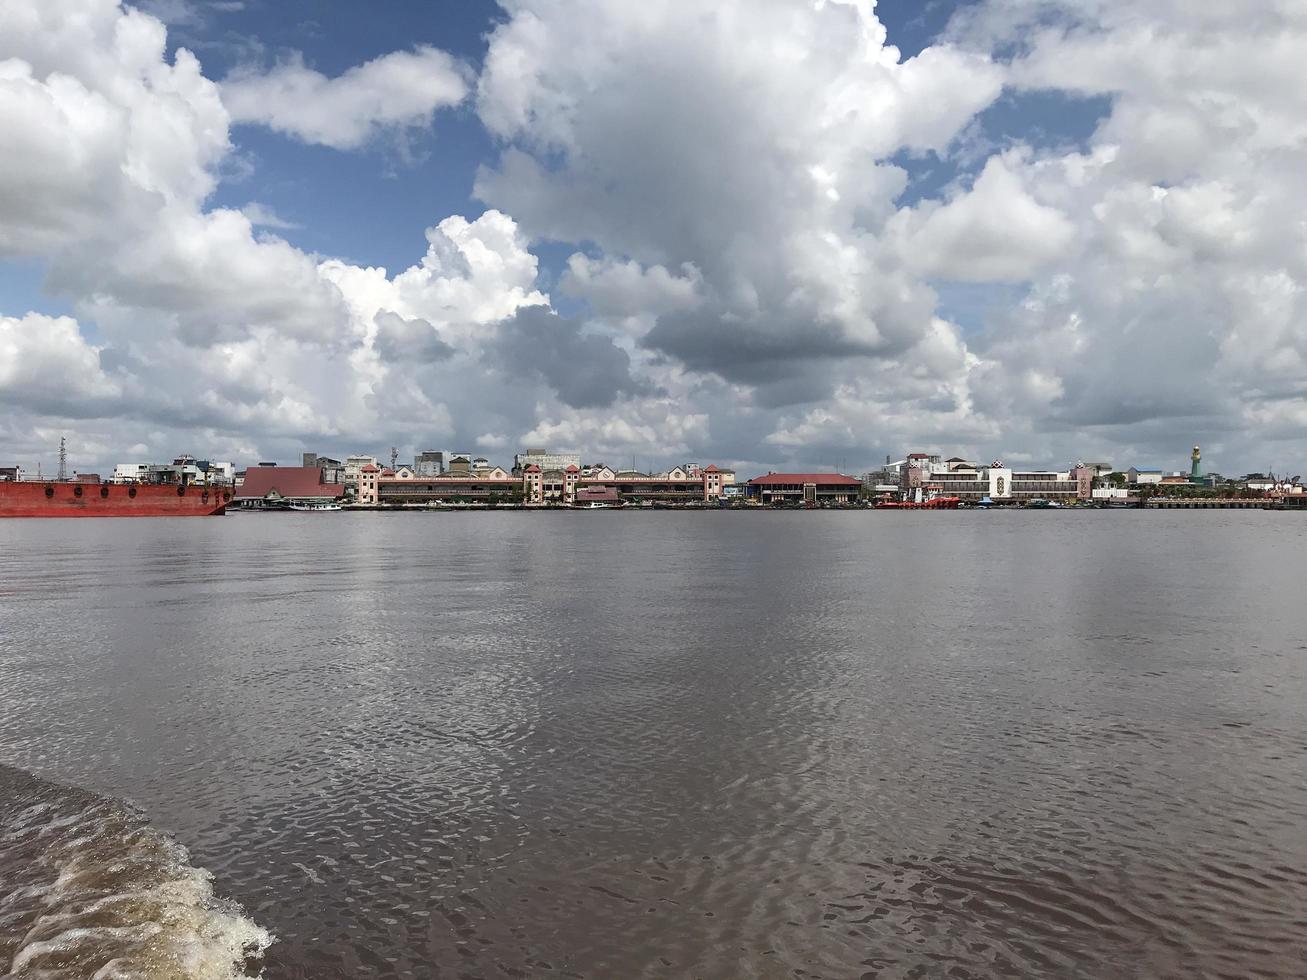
[
  {"x": 373, "y": 207},
  {"x": 370, "y": 207}
]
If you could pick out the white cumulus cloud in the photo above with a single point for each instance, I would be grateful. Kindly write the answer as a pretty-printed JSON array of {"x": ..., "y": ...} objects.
[{"x": 399, "y": 90}]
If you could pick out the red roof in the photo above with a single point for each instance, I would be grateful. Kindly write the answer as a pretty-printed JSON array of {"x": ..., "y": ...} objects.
[
  {"x": 821, "y": 479},
  {"x": 918, "y": 456},
  {"x": 710, "y": 468},
  {"x": 371, "y": 468},
  {"x": 572, "y": 469},
  {"x": 533, "y": 468},
  {"x": 288, "y": 481}
]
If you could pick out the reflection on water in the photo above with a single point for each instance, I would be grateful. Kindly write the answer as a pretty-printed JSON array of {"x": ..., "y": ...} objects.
[{"x": 716, "y": 745}]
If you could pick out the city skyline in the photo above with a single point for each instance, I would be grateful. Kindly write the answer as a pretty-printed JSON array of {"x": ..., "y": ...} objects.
[
  {"x": 779, "y": 236},
  {"x": 65, "y": 460}
]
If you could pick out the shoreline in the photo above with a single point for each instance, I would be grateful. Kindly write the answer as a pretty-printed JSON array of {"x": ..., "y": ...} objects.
[{"x": 522, "y": 508}]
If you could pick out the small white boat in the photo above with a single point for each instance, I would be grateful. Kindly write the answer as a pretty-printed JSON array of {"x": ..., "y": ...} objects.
[{"x": 315, "y": 506}]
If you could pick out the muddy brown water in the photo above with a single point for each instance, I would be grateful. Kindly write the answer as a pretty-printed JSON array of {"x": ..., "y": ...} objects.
[{"x": 621, "y": 745}]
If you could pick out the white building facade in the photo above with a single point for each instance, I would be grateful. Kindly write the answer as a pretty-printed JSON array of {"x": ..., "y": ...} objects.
[
  {"x": 928, "y": 476},
  {"x": 546, "y": 460}
]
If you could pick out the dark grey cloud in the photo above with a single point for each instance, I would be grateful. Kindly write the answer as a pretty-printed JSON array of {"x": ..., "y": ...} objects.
[
  {"x": 783, "y": 357},
  {"x": 586, "y": 370},
  {"x": 412, "y": 340}
]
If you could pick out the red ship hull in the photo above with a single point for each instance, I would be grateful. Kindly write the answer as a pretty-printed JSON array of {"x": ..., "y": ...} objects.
[{"x": 39, "y": 499}]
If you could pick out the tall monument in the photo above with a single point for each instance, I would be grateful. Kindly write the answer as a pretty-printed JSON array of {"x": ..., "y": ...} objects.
[{"x": 1196, "y": 466}]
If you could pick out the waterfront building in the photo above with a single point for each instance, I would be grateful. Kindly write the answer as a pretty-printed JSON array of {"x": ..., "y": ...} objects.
[
  {"x": 487, "y": 487},
  {"x": 598, "y": 497},
  {"x": 429, "y": 462},
  {"x": 533, "y": 483},
  {"x": 1139, "y": 477},
  {"x": 277, "y": 487},
  {"x": 676, "y": 486},
  {"x": 828, "y": 488},
  {"x": 884, "y": 482},
  {"x": 539, "y": 487},
  {"x": 555, "y": 486},
  {"x": 546, "y": 460},
  {"x": 333, "y": 470},
  {"x": 927, "y": 476},
  {"x": 353, "y": 468},
  {"x": 366, "y": 492}
]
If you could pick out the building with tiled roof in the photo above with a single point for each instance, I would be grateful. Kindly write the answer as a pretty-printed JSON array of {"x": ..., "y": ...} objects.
[
  {"x": 537, "y": 486},
  {"x": 811, "y": 488},
  {"x": 277, "y": 487}
]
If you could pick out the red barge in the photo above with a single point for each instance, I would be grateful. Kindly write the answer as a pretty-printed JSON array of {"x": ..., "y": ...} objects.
[{"x": 55, "y": 498}]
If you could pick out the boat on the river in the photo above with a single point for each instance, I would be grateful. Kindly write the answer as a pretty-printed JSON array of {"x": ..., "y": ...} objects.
[
  {"x": 934, "y": 503},
  {"x": 81, "y": 498},
  {"x": 597, "y": 498}
]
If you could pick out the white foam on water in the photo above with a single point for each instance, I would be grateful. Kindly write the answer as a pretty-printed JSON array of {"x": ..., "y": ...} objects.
[{"x": 89, "y": 889}]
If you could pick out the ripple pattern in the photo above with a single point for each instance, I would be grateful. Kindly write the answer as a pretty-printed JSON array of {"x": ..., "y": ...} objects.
[{"x": 670, "y": 745}]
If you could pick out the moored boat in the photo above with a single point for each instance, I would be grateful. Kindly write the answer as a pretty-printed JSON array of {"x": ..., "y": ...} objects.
[
  {"x": 73, "y": 498},
  {"x": 934, "y": 503},
  {"x": 597, "y": 498}
]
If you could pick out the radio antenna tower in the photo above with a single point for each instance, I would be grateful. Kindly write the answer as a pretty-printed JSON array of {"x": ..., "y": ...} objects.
[
  {"x": 394, "y": 457},
  {"x": 63, "y": 459}
]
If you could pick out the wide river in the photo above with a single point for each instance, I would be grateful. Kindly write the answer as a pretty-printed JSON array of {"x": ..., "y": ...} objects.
[{"x": 623, "y": 745}]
